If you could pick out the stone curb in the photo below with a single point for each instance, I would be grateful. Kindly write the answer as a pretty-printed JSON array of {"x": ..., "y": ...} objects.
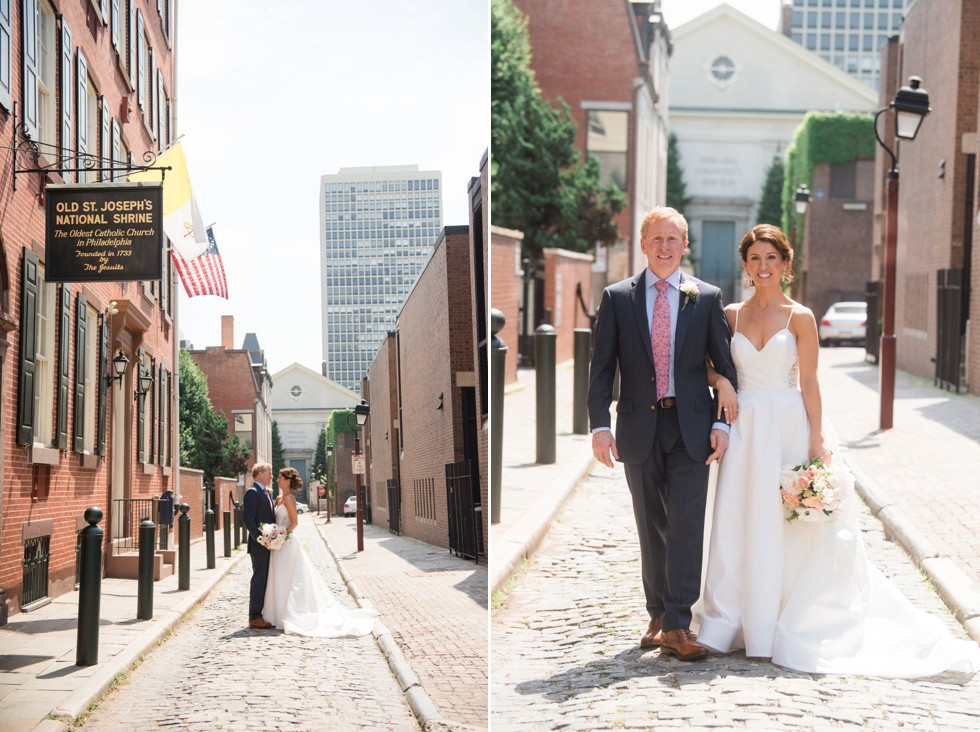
[
  {"x": 524, "y": 536},
  {"x": 418, "y": 699},
  {"x": 77, "y": 703},
  {"x": 958, "y": 591}
]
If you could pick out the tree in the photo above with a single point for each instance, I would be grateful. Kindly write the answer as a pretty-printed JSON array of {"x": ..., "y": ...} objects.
[
  {"x": 771, "y": 201},
  {"x": 278, "y": 461},
  {"x": 540, "y": 184},
  {"x": 677, "y": 197},
  {"x": 204, "y": 440},
  {"x": 320, "y": 458}
]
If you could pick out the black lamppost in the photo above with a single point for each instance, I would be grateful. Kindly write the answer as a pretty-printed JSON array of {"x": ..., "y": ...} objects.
[
  {"x": 361, "y": 412},
  {"x": 801, "y": 199},
  {"x": 326, "y": 478},
  {"x": 911, "y": 105}
]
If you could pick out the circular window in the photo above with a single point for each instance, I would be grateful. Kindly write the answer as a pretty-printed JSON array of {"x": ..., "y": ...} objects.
[
  {"x": 296, "y": 392},
  {"x": 722, "y": 69}
]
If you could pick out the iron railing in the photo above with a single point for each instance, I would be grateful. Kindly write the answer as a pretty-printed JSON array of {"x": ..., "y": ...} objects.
[
  {"x": 949, "y": 330},
  {"x": 465, "y": 510},
  {"x": 37, "y": 553},
  {"x": 126, "y": 517}
]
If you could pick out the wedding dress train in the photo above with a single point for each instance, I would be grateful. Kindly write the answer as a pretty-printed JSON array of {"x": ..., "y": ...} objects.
[
  {"x": 296, "y": 599},
  {"x": 803, "y": 594}
]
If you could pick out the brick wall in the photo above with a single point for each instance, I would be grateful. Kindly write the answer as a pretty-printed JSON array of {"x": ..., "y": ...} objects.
[
  {"x": 940, "y": 47},
  {"x": 231, "y": 384},
  {"x": 190, "y": 490},
  {"x": 505, "y": 290},
  {"x": 383, "y": 378},
  {"x": 46, "y": 492},
  {"x": 481, "y": 230},
  {"x": 562, "y": 272},
  {"x": 431, "y": 436},
  {"x": 837, "y": 251}
]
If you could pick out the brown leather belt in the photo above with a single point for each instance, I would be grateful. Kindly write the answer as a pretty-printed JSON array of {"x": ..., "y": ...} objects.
[{"x": 665, "y": 403}]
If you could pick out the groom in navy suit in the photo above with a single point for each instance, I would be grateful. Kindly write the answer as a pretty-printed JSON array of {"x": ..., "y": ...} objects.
[
  {"x": 258, "y": 509},
  {"x": 658, "y": 327}
]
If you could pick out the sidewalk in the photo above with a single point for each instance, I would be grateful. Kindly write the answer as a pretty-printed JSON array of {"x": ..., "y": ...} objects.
[
  {"x": 923, "y": 468},
  {"x": 433, "y": 624},
  {"x": 432, "y": 630},
  {"x": 38, "y": 675}
]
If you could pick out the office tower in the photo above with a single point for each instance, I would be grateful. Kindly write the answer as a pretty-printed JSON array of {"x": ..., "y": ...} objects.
[
  {"x": 377, "y": 229},
  {"x": 847, "y": 33}
]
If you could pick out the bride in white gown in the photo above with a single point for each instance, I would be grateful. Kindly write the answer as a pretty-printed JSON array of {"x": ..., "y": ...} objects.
[
  {"x": 803, "y": 594},
  {"x": 296, "y": 599}
]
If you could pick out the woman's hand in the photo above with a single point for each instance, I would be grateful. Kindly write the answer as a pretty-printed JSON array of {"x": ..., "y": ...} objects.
[
  {"x": 819, "y": 449},
  {"x": 727, "y": 400}
]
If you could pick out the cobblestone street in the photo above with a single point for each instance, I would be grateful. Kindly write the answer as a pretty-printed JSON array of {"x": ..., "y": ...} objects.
[
  {"x": 565, "y": 647},
  {"x": 214, "y": 673}
]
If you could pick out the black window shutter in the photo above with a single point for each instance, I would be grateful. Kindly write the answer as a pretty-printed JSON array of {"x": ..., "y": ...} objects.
[
  {"x": 140, "y": 405},
  {"x": 151, "y": 399},
  {"x": 169, "y": 396},
  {"x": 64, "y": 364},
  {"x": 28, "y": 348},
  {"x": 6, "y": 83},
  {"x": 81, "y": 343},
  {"x": 29, "y": 44},
  {"x": 161, "y": 387},
  {"x": 67, "y": 86},
  {"x": 103, "y": 385}
]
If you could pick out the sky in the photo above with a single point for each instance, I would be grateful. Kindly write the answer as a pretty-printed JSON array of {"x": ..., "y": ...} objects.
[
  {"x": 270, "y": 96},
  {"x": 677, "y": 12}
]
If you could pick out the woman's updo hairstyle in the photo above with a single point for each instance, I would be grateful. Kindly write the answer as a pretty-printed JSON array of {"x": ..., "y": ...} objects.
[{"x": 291, "y": 474}]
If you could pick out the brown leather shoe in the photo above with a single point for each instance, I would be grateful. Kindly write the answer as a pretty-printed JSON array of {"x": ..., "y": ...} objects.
[
  {"x": 259, "y": 623},
  {"x": 682, "y": 643},
  {"x": 652, "y": 637}
]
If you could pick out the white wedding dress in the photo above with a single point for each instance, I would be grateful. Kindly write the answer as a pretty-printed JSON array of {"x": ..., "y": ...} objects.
[
  {"x": 803, "y": 594},
  {"x": 296, "y": 599}
]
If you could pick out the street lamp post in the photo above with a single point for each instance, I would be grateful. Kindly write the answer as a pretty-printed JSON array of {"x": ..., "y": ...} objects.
[
  {"x": 911, "y": 105},
  {"x": 326, "y": 477},
  {"x": 801, "y": 199},
  {"x": 361, "y": 412}
]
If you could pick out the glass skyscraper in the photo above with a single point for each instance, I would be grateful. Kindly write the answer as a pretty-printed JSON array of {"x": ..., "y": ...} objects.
[
  {"x": 377, "y": 227},
  {"x": 847, "y": 33}
]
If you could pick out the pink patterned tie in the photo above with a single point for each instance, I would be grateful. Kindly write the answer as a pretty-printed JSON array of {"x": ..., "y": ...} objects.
[{"x": 660, "y": 338}]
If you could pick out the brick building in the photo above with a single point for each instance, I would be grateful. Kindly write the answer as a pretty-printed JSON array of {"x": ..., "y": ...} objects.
[
  {"x": 85, "y": 89},
  {"x": 240, "y": 387},
  {"x": 938, "y": 202},
  {"x": 607, "y": 59},
  {"x": 566, "y": 275},
  {"x": 505, "y": 292},
  {"x": 425, "y": 423}
]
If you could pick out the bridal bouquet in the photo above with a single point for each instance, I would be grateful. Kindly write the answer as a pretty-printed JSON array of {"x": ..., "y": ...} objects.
[
  {"x": 272, "y": 537},
  {"x": 811, "y": 492}
]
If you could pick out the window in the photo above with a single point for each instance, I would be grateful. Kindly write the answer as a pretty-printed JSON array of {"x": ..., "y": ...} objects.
[
  {"x": 91, "y": 384},
  {"x": 87, "y": 133},
  {"x": 243, "y": 428},
  {"x": 5, "y": 55},
  {"x": 607, "y": 141},
  {"x": 47, "y": 316},
  {"x": 47, "y": 122}
]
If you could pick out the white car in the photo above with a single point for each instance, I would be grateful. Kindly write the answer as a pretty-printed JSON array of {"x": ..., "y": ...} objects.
[
  {"x": 844, "y": 321},
  {"x": 302, "y": 507},
  {"x": 350, "y": 506}
]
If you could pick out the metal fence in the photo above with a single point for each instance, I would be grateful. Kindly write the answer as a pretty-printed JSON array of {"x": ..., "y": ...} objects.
[
  {"x": 37, "y": 553},
  {"x": 949, "y": 334},
  {"x": 394, "y": 506},
  {"x": 465, "y": 511},
  {"x": 126, "y": 517}
]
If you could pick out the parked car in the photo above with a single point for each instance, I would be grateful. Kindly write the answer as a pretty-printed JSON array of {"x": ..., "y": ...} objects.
[
  {"x": 302, "y": 507},
  {"x": 350, "y": 506},
  {"x": 844, "y": 321}
]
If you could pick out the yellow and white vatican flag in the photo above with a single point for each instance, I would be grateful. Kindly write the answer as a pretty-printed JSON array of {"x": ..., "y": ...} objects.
[{"x": 182, "y": 220}]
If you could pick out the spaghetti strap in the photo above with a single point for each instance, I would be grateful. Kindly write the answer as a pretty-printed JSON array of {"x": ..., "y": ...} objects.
[
  {"x": 790, "y": 319},
  {"x": 737, "y": 311}
]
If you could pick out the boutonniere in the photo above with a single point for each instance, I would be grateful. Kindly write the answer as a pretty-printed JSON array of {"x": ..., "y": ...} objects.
[{"x": 690, "y": 290}]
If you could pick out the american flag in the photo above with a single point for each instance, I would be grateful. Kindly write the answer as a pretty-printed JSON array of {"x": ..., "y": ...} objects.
[{"x": 205, "y": 274}]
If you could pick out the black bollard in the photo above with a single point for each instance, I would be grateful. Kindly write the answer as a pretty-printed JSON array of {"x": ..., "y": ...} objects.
[
  {"x": 184, "y": 548},
  {"x": 144, "y": 586},
  {"x": 226, "y": 525},
  {"x": 89, "y": 590},
  {"x": 545, "y": 338},
  {"x": 238, "y": 524},
  {"x": 580, "y": 405},
  {"x": 498, "y": 363},
  {"x": 209, "y": 536}
]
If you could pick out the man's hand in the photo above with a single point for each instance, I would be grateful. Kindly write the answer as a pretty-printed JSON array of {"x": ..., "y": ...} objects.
[
  {"x": 719, "y": 443},
  {"x": 604, "y": 447}
]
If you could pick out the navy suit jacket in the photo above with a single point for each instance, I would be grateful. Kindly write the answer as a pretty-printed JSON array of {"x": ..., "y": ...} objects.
[
  {"x": 622, "y": 337},
  {"x": 257, "y": 509}
]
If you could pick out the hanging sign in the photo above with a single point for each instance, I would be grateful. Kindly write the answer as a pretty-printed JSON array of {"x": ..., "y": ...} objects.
[
  {"x": 104, "y": 231},
  {"x": 357, "y": 464}
]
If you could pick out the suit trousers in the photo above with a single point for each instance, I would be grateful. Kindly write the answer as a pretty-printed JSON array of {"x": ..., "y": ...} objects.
[
  {"x": 260, "y": 576},
  {"x": 669, "y": 491}
]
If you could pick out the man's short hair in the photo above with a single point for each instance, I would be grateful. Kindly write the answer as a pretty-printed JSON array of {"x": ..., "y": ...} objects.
[{"x": 260, "y": 467}]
